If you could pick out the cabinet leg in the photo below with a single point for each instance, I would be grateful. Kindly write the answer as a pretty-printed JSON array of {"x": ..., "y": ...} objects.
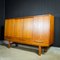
[
  {"x": 40, "y": 50},
  {"x": 9, "y": 45}
]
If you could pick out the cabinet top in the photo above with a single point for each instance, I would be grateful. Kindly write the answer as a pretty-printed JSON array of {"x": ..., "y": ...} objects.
[{"x": 31, "y": 16}]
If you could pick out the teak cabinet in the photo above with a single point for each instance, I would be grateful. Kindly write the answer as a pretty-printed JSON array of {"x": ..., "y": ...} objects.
[{"x": 33, "y": 30}]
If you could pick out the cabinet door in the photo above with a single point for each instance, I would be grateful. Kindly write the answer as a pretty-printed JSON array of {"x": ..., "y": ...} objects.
[
  {"x": 27, "y": 31},
  {"x": 41, "y": 28},
  {"x": 18, "y": 28},
  {"x": 46, "y": 28},
  {"x": 8, "y": 27},
  {"x": 38, "y": 28},
  {"x": 12, "y": 27}
]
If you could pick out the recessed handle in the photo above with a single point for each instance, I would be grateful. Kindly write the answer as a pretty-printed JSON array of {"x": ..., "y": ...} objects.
[{"x": 39, "y": 41}]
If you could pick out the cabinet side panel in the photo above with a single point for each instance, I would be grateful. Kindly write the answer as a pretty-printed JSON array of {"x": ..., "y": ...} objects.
[{"x": 51, "y": 29}]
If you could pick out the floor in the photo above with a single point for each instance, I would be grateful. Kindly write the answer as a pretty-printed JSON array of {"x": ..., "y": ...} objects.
[{"x": 22, "y": 53}]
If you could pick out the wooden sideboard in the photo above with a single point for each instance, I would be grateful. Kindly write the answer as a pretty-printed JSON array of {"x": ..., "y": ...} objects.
[{"x": 33, "y": 30}]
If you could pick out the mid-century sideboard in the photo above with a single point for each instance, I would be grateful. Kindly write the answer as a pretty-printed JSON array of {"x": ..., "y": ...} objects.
[{"x": 32, "y": 30}]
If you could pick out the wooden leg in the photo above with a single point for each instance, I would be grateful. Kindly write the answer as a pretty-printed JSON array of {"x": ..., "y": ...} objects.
[
  {"x": 9, "y": 45},
  {"x": 40, "y": 50}
]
